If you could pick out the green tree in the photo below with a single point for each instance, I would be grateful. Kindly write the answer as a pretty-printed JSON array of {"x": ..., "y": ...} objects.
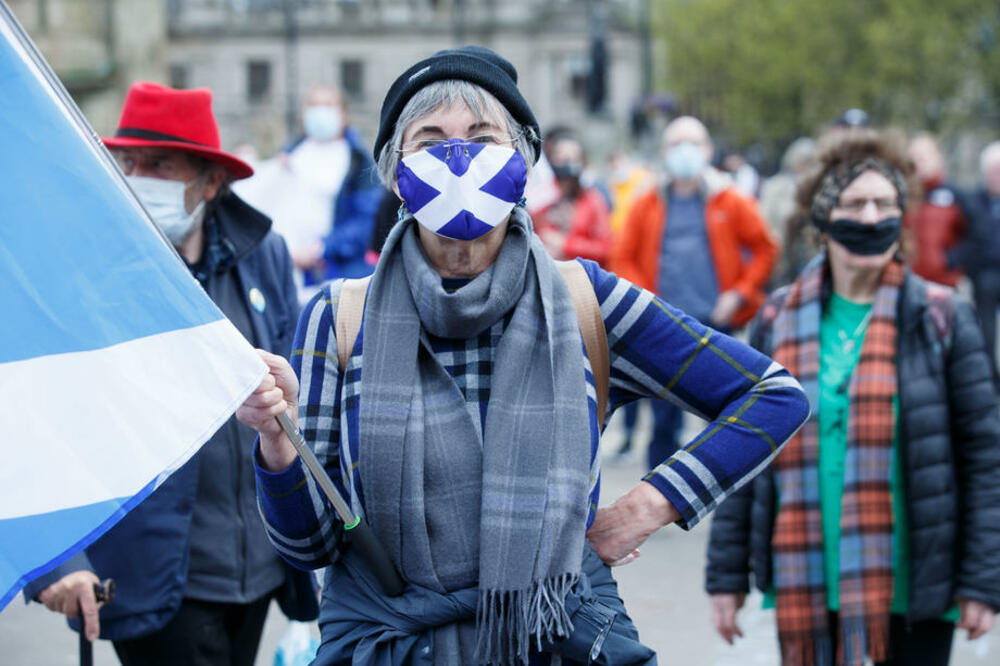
[{"x": 768, "y": 70}]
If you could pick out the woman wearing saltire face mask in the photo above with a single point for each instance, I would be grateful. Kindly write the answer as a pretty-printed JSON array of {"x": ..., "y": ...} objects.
[
  {"x": 878, "y": 526},
  {"x": 466, "y": 425}
]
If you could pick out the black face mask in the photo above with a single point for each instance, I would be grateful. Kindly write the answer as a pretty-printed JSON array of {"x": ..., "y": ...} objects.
[
  {"x": 567, "y": 171},
  {"x": 864, "y": 239}
]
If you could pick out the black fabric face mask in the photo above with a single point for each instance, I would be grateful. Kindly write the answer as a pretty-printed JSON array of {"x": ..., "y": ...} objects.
[
  {"x": 567, "y": 171},
  {"x": 864, "y": 239}
]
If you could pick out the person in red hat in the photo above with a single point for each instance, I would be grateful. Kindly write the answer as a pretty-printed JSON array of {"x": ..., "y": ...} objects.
[{"x": 195, "y": 572}]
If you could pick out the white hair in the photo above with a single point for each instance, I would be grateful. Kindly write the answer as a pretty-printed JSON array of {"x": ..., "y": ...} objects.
[
  {"x": 989, "y": 156},
  {"x": 444, "y": 94}
]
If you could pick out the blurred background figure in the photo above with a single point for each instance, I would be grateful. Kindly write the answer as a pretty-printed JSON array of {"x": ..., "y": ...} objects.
[
  {"x": 745, "y": 176},
  {"x": 627, "y": 180},
  {"x": 877, "y": 527},
  {"x": 576, "y": 225},
  {"x": 777, "y": 204},
  {"x": 322, "y": 194},
  {"x": 937, "y": 224},
  {"x": 979, "y": 256},
  {"x": 698, "y": 244},
  {"x": 853, "y": 118}
]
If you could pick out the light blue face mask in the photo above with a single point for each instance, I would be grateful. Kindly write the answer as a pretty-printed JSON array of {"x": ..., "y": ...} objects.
[
  {"x": 686, "y": 160},
  {"x": 322, "y": 123},
  {"x": 164, "y": 199}
]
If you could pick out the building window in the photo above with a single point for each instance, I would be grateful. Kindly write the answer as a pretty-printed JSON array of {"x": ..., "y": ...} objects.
[
  {"x": 352, "y": 79},
  {"x": 179, "y": 76},
  {"x": 578, "y": 70},
  {"x": 258, "y": 80}
]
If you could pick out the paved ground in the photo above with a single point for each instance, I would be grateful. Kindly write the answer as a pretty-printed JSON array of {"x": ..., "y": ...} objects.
[{"x": 662, "y": 589}]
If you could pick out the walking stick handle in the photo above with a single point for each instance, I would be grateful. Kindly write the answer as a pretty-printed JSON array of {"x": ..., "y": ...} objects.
[
  {"x": 103, "y": 592},
  {"x": 359, "y": 532}
]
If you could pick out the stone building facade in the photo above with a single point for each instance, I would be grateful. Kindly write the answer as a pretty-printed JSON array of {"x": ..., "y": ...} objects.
[
  {"x": 260, "y": 56},
  {"x": 98, "y": 47}
]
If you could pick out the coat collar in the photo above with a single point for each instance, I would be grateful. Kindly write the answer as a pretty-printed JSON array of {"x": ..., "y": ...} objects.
[{"x": 242, "y": 226}]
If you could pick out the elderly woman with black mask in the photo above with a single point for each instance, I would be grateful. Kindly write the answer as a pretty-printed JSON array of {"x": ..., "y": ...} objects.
[
  {"x": 465, "y": 424},
  {"x": 878, "y": 526}
]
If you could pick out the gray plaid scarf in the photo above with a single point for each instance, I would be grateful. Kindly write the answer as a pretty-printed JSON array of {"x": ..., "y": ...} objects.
[{"x": 506, "y": 509}]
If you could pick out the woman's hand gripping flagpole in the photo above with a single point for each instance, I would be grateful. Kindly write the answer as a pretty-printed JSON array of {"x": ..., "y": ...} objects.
[{"x": 271, "y": 411}]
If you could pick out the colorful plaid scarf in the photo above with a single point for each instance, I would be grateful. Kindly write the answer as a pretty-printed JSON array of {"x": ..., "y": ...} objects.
[{"x": 866, "y": 581}]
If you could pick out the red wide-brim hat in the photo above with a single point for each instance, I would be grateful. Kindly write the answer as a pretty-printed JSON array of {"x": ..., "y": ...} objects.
[{"x": 156, "y": 116}]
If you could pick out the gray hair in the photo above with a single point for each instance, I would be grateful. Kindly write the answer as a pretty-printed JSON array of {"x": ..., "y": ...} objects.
[
  {"x": 990, "y": 155},
  {"x": 444, "y": 94}
]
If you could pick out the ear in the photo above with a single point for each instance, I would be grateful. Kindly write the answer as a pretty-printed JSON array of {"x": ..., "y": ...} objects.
[{"x": 214, "y": 181}]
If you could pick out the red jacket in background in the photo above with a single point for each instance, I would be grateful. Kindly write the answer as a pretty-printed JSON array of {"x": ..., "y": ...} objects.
[
  {"x": 588, "y": 233},
  {"x": 937, "y": 226}
]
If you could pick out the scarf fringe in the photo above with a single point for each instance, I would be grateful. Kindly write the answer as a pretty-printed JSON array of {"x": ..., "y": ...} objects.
[
  {"x": 878, "y": 637},
  {"x": 865, "y": 637},
  {"x": 508, "y": 620},
  {"x": 807, "y": 652}
]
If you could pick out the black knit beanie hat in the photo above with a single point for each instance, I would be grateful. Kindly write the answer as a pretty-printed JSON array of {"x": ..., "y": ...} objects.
[{"x": 476, "y": 64}]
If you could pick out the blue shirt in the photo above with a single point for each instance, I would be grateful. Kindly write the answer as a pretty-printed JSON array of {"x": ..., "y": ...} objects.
[{"x": 687, "y": 274}]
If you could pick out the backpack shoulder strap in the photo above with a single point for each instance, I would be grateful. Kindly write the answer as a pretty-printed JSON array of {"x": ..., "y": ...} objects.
[
  {"x": 595, "y": 337},
  {"x": 350, "y": 311}
]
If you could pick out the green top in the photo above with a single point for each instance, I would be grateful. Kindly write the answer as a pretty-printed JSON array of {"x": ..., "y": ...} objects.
[{"x": 842, "y": 331}]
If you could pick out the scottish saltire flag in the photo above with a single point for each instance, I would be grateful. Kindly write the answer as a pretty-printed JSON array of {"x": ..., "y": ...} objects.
[
  {"x": 114, "y": 364},
  {"x": 462, "y": 189}
]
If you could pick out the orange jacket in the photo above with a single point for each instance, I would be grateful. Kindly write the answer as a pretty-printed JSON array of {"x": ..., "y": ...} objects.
[{"x": 734, "y": 225}]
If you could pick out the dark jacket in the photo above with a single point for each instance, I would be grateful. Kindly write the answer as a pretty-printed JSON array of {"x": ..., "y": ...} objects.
[
  {"x": 980, "y": 250},
  {"x": 147, "y": 552},
  {"x": 950, "y": 443},
  {"x": 352, "y": 217}
]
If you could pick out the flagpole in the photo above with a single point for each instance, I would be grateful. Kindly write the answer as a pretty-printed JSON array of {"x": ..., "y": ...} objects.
[{"x": 361, "y": 534}]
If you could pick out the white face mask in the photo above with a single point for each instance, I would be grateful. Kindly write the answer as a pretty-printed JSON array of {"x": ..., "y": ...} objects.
[
  {"x": 164, "y": 199},
  {"x": 686, "y": 160},
  {"x": 322, "y": 122}
]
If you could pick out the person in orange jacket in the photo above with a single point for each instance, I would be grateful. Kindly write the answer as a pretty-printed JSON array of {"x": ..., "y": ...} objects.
[{"x": 697, "y": 243}]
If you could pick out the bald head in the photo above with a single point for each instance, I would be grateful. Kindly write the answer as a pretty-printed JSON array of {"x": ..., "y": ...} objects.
[
  {"x": 927, "y": 158},
  {"x": 686, "y": 129},
  {"x": 324, "y": 94}
]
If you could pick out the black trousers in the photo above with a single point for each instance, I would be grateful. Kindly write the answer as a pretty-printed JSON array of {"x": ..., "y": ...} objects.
[
  {"x": 924, "y": 643},
  {"x": 202, "y": 633}
]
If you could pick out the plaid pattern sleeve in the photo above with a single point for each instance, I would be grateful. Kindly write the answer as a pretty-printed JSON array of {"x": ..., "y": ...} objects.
[
  {"x": 300, "y": 523},
  {"x": 752, "y": 404}
]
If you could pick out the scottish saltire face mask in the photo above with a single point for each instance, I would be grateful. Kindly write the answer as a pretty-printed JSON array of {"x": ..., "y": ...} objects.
[{"x": 462, "y": 190}]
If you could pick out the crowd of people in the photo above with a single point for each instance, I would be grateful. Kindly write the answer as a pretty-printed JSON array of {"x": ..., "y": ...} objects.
[{"x": 507, "y": 297}]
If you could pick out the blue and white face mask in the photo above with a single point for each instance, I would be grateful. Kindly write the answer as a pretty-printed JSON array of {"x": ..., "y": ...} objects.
[{"x": 462, "y": 190}]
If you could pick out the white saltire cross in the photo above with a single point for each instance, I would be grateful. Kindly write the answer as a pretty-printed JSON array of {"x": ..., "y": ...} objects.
[{"x": 454, "y": 190}]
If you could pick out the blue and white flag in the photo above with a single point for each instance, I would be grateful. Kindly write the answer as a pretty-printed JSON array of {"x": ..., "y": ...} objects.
[{"x": 114, "y": 365}]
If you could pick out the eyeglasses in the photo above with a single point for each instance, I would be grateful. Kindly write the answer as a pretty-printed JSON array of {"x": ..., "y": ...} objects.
[
  {"x": 856, "y": 206},
  {"x": 484, "y": 139}
]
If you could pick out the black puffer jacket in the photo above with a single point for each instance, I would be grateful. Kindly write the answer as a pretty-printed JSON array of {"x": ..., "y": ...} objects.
[{"x": 950, "y": 443}]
